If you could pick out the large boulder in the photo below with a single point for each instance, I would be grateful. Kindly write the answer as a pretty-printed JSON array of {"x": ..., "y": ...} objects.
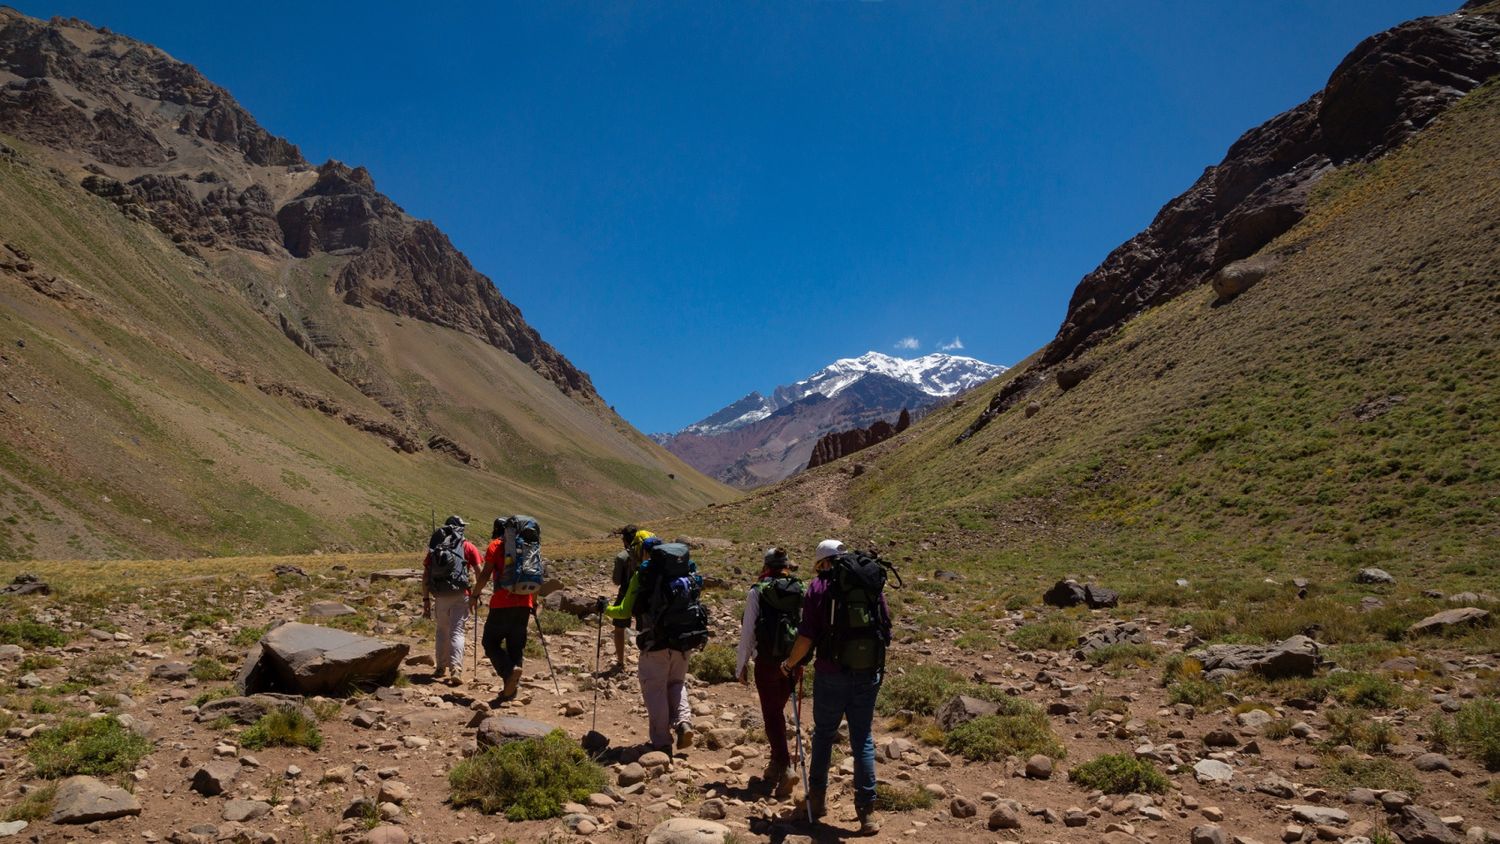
[
  {"x": 688, "y": 831},
  {"x": 1294, "y": 657},
  {"x": 307, "y": 659},
  {"x": 1071, "y": 593},
  {"x": 26, "y": 584},
  {"x": 1420, "y": 825},
  {"x": 572, "y": 604},
  {"x": 85, "y": 800},
  {"x": 499, "y": 729},
  {"x": 1119, "y": 633},
  {"x": 248, "y": 710},
  {"x": 961, "y": 709},
  {"x": 396, "y": 574},
  {"x": 1443, "y": 621}
]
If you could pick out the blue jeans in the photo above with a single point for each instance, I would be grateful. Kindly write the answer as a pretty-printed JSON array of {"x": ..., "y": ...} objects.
[{"x": 835, "y": 697}]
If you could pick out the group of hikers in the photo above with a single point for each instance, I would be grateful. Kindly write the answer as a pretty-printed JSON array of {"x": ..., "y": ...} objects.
[{"x": 839, "y": 621}]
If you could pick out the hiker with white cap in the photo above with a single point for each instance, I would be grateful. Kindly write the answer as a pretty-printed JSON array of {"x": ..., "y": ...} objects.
[
  {"x": 773, "y": 609},
  {"x": 845, "y": 617}
]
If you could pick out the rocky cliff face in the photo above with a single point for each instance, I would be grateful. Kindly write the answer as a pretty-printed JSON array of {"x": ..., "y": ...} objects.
[
  {"x": 1389, "y": 88},
  {"x": 153, "y": 136},
  {"x": 844, "y": 443}
]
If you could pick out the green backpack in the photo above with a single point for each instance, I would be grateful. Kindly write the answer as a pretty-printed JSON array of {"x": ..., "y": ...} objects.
[
  {"x": 780, "y": 613},
  {"x": 859, "y": 628}
]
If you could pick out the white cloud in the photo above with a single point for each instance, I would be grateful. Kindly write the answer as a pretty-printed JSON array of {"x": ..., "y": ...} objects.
[
  {"x": 953, "y": 346},
  {"x": 909, "y": 344}
]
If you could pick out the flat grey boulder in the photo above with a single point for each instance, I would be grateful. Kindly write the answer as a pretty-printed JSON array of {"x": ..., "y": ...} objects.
[
  {"x": 500, "y": 729},
  {"x": 214, "y": 778},
  {"x": 1320, "y": 815},
  {"x": 1295, "y": 657},
  {"x": 307, "y": 659},
  {"x": 238, "y": 811},
  {"x": 248, "y": 710},
  {"x": 1212, "y": 770},
  {"x": 85, "y": 800},
  {"x": 688, "y": 831},
  {"x": 1373, "y": 575},
  {"x": 1421, "y": 825},
  {"x": 1118, "y": 633},
  {"x": 330, "y": 609},
  {"x": 10, "y": 828},
  {"x": 396, "y": 574},
  {"x": 961, "y": 709},
  {"x": 1440, "y": 622}
]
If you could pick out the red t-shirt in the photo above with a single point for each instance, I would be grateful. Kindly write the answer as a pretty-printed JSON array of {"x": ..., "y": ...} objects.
[
  {"x": 471, "y": 557},
  {"x": 502, "y": 598}
]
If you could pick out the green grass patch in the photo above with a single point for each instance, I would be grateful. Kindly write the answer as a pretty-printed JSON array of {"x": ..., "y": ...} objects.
[
  {"x": 1120, "y": 773},
  {"x": 1477, "y": 725},
  {"x": 555, "y": 622},
  {"x": 35, "y": 806},
  {"x": 248, "y": 636},
  {"x": 28, "y": 632},
  {"x": 713, "y": 664},
  {"x": 1345, "y": 772},
  {"x": 97, "y": 747},
  {"x": 917, "y": 688},
  {"x": 285, "y": 727},
  {"x": 1054, "y": 635},
  {"x": 1124, "y": 655},
  {"x": 1203, "y": 694},
  {"x": 213, "y": 694},
  {"x": 208, "y": 669},
  {"x": 991, "y": 737},
  {"x": 899, "y": 798},
  {"x": 526, "y": 780},
  {"x": 39, "y": 662}
]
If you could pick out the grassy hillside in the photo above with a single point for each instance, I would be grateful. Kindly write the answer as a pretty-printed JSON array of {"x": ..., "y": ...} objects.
[
  {"x": 151, "y": 409},
  {"x": 1342, "y": 412}
]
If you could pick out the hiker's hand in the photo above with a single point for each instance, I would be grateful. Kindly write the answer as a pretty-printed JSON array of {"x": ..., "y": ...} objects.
[
  {"x": 745, "y": 676},
  {"x": 600, "y": 604},
  {"x": 427, "y": 609}
]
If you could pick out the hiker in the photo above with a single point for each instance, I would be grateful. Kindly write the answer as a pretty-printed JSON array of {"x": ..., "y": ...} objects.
[
  {"x": 768, "y": 630},
  {"x": 664, "y": 596},
  {"x": 447, "y": 572},
  {"x": 505, "y": 628},
  {"x": 626, "y": 562},
  {"x": 844, "y": 615}
]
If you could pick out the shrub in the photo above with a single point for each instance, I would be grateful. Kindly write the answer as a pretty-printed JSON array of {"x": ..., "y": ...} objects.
[
  {"x": 1478, "y": 727},
  {"x": 992, "y": 737},
  {"x": 1344, "y": 772},
  {"x": 1124, "y": 654},
  {"x": 288, "y": 726},
  {"x": 325, "y": 708},
  {"x": 555, "y": 622},
  {"x": 1180, "y": 667},
  {"x": 208, "y": 669},
  {"x": 213, "y": 694},
  {"x": 1120, "y": 773},
  {"x": 28, "y": 632},
  {"x": 920, "y": 689},
  {"x": 1101, "y": 701},
  {"x": 1055, "y": 635},
  {"x": 35, "y": 806},
  {"x": 1367, "y": 691},
  {"x": 248, "y": 636},
  {"x": 976, "y": 640},
  {"x": 527, "y": 780},
  {"x": 713, "y": 664},
  {"x": 202, "y": 618},
  {"x": 895, "y": 798},
  {"x": 37, "y": 662},
  {"x": 1278, "y": 729},
  {"x": 97, "y": 747},
  {"x": 1199, "y": 693}
]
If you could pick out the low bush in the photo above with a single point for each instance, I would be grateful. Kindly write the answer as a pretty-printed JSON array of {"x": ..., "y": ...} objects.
[
  {"x": 1120, "y": 773},
  {"x": 38, "y": 662},
  {"x": 918, "y": 688},
  {"x": 288, "y": 726},
  {"x": 1124, "y": 655},
  {"x": 213, "y": 694},
  {"x": 895, "y": 798},
  {"x": 325, "y": 708},
  {"x": 1345, "y": 772},
  {"x": 28, "y": 632},
  {"x": 555, "y": 622},
  {"x": 208, "y": 669},
  {"x": 34, "y": 807},
  {"x": 1277, "y": 730},
  {"x": 1180, "y": 667},
  {"x": 1200, "y": 693},
  {"x": 248, "y": 636},
  {"x": 991, "y": 737},
  {"x": 97, "y": 747},
  {"x": 1054, "y": 635},
  {"x": 713, "y": 664},
  {"x": 526, "y": 780},
  {"x": 1477, "y": 726}
]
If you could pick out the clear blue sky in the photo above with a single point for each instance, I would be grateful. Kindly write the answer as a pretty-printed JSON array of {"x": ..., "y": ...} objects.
[{"x": 695, "y": 199}]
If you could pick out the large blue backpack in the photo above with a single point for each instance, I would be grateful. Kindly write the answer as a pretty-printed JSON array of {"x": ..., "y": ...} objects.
[{"x": 524, "y": 569}]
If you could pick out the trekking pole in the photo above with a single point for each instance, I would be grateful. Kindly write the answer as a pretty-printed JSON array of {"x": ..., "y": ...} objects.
[
  {"x": 543, "y": 638},
  {"x": 801, "y": 757},
  {"x": 598, "y": 649}
]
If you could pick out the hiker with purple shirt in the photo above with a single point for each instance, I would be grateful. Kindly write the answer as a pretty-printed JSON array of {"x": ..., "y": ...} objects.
[{"x": 850, "y": 625}]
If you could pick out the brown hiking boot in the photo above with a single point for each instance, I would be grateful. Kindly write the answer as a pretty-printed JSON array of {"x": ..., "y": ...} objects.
[
  {"x": 786, "y": 786},
  {"x": 512, "y": 685},
  {"x": 817, "y": 804},
  {"x": 684, "y": 735},
  {"x": 868, "y": 823}
]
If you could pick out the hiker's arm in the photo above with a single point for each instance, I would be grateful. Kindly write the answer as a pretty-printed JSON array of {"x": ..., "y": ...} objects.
[
  {"x": 623, "y": 609},
  {"x": 800, "y": 649},
  {"x": 479, "y": 582},
  {"x": 426, "y": 590},
  {"x": 747, "y": 633}
]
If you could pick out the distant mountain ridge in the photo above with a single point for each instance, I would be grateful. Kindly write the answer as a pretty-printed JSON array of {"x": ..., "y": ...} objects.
[{"x": 761, "y": 438}]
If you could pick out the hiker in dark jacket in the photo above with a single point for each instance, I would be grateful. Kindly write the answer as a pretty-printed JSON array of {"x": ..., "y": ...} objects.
[
  {"x": 662, "y": 672},
  {"x": 451, "y": 614},
  {"x": 772, "y": 686},
  {"x": 837, "y": 693},
  {"x": 626, "y": 562}
]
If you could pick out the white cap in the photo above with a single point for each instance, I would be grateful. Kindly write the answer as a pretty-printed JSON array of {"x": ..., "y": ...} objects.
[{"x": 828, "y": 548}]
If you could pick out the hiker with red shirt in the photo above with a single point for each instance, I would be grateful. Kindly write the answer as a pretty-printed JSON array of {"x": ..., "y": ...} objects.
[
  {"x": 451, "y": 590},
  {"x": 505, "y": 629}
]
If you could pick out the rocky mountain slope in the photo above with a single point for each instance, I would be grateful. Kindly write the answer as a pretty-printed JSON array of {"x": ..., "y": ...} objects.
[
  {"x": 762, "y": 439},
  {"x": 308, "y": 366}
]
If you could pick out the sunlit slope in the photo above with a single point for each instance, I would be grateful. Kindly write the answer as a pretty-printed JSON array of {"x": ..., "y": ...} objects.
[
  {"x": 152, "y": 410},
  {"x": 1343, "y": 409}
]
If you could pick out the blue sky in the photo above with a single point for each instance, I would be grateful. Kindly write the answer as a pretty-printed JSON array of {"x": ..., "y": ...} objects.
[{"x": 695, "y": 199}]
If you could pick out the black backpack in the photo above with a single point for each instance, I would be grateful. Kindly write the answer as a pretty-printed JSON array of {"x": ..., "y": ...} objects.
[
  {"x": 780, "y": 613},
  {"x": 448, "y": 571},
  {"x": 669, "y": 605},
  {"x": 858, "y": 629}
]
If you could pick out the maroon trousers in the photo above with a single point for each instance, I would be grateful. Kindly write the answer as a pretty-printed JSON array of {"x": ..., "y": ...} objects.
[{"x": 774, "y": 690}]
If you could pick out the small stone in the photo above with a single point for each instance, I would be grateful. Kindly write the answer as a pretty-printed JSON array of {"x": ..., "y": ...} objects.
[
  {"x": 1039, "y": 767},
  {"x": 214, "y": 778},
  {"x": 1004, "y": 817},
  {"x": 712, "y": 809},
  {"x": 1208, "y": 834},
  {"x": 393, "y": 791},
  {"x": 936, "y": 790},
  {"x": 244, "y": 810},
  {"x": 1212, "y": 770},
  {"x": 631, "y": 774},
  {"x": 1320, "y": 815},
  {"x": 1212, "y": 813},
  {"x": 1432, "y": 762},
  {"x": 1075, "y": 817},
  {"x": 963, "y": 807}
]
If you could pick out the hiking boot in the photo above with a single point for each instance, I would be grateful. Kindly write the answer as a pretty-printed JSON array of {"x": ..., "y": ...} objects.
[
  {"x": 786, "y": 786},
  {"x": 439, "y": 672},
  {"x": 512, "y": 686},
  {"x": 684, "y": 736},
  {"x": 868, "y": 823},
  {"x": 817, "y": 804},
  {"x": 774, "y": 775}
]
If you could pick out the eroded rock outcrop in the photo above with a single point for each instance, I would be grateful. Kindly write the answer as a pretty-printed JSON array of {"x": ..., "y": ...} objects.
[{"x": 838, "y": 444}]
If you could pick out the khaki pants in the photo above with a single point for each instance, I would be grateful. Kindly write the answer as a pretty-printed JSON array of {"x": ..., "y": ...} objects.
[
  {"x": 450, "y": 613},
  {"x": 662, "y": 674}
]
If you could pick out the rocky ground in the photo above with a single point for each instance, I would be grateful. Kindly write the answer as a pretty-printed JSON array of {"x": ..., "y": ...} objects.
[{"x": 381, "y": 773}]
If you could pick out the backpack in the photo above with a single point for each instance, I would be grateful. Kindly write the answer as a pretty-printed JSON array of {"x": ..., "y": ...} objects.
[
  {"x": 448, "y": 571},
  {"x": 670, "y": 605},
  {"x": 859, "y": 629},
  {"x": 780, "y": 612},
  {"x": 524, "y": 569}
]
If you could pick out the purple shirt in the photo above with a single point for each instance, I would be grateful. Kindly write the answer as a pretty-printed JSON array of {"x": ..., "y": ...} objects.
[{"x": 817, "y": 607}]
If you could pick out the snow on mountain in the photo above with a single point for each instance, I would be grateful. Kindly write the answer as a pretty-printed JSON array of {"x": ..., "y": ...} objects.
[{"x": 937, "y": 375}]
